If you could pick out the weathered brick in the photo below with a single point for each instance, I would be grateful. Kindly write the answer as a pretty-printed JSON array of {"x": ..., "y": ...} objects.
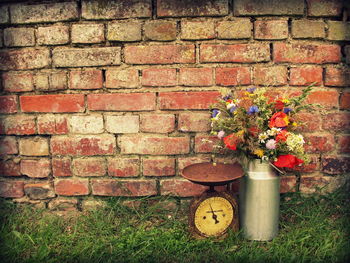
[
  {"x": 153, "y": 145},
  {"x": 288, "y": 184},
  {"x": 320, "y": 184},
  {"x": 96, "y": 9},
  {"x": 11, "y": 189},
  {"x": 83, "y": 145},
  {"x": 304, "y": 53},
  {"x": 52, "y": 35},
  {"x": 305, "y": 76},
  {"x": 50, "y": 12},
  {"x": 338, "y": 30},
  {"x": 271, "y": 76},
  {"x": 338, "y": 121},
  {"x": 205, "y": 143},
  {"x": 169, "y": 8},
  {"x": 110, "y": 187},
  {"x": 324, "y": 7},
  {"x": 240, "y": 28},
  {"x": 344, "y": 144},
  {"x": 63, "y": 204},
  {"x": 26, "y": 58},
  {"x": 194, "y": 122},
  {"x": 52, "y": 124},
  {"x": 124, "y": 167},
  {"x": 304, "y": 28},
  {"x": 271, "y": 29},
  {"x": 34, "y": 146},
  {"x": 86, "y": 57},
  {"x": 92, "y": 205},
  {"x": 337, "y": 77},
  {"x": 36, "y": 168},
  {"x": 87, "y": 167},
  {"x": 335, "y": 165},
  {"x": 196, "y": 77},
  {"x": 308, "y": 122},
  {"x": 8, "y": 104},
  {"x": 160, "y": 54},
  {"x": 347, "y": 54},
  {"x": 122, "y": 78},
  {"x": 53, "y": 103},
  {"x": 18, "y": 81},
  {"x": 319, "y": 143},
  {"x": 122, "y": 102},
  {"x": 345, "y": 101},
  {"x": 8, "y": 145},
  {"x": 61, "y": 167},
  {"x": 39, "y": 191},
  {"x": 122, "y": 124},
  {"x": 4, "y": 14},
  {"x": 10, "y": 168},
  {"x": 124, "y": 31},
  {"x": 19, "y": 37},
  {"x": 72, "y": 187},
  {"x": 180, "y": 187},
  {"x": 151, "y": 123},
  {"x": 159, "y": 77},
  {"x": 197, "y": 30},
  {"x": 50, "y": 80},
  {"x": 242, "y": 53},
  {"x": 87, "y": 33},
  {"x": 158, "y": 167},
  {"x": 326, "y": 98},
  {"x": 1, "y": 37},
  {"x": 268, "y": 7},
  {"x": 186, "y": 161},
  {"x": 187, "y": 100},
  {"x": 86, "y": 79},
  {"x": 310, "y": 167},
  {"x": 18, "y": 125},
  {"x": 86, "y": 124},
  {"x": 160, "y": 30},
  {"x": 232, "y": 76}
]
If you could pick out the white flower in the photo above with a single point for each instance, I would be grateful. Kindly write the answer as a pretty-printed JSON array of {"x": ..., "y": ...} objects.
[
  {"x": 295, "y": 143},
  {"x": 230, "y": 105},
  {"x": 263, "y": 137},
  {"x": 274, "y": 131}
]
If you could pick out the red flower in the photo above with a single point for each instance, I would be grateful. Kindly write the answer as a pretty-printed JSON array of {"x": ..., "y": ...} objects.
[
  {"x": 279, "y": 105},
  {"x": 254, "y": 131},
  {"x": 231, "y": 141},
  {"x": 282, "y": 136},
  {"x": 279, "y": 120},
  {"x": 288, "y": 161}
]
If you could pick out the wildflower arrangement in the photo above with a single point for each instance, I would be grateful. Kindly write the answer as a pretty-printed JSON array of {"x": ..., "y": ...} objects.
[{"x": 251, "y": 125}]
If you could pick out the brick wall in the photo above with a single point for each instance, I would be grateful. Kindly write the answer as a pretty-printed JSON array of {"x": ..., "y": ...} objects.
[{"x": 110, "y": 98}]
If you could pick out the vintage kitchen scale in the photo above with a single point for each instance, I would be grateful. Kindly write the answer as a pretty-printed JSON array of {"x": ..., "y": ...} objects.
[{"x": 213, "y": 213}]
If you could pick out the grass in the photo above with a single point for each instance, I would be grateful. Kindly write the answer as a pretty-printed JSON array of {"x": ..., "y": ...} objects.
[{"x": 312, "y": 229}]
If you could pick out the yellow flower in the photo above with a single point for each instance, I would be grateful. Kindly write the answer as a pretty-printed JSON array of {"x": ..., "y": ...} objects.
[
  {"x": 259, "y": 152},
  {"x": 295, "y": 124},
  {"x": 240, "y": 133},
  {"x": 285, "y": 101}
]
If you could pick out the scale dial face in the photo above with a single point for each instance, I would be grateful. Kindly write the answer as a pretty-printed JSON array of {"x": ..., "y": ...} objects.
[{"x": 213, "y": 216}]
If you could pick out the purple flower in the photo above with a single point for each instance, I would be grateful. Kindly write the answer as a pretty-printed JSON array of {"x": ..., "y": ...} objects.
[
  {"x": 227, "y": 97},
  {"x": 253, "y": 109},
  {"x": 287, "y": 110},
  {"x": 232, "y": 109},
  {"x": 271, "y": 144},
  {"x": 214, "y": 113},
  {"x": 221, "y": 134},
  {"x": 251, "y": 90}
]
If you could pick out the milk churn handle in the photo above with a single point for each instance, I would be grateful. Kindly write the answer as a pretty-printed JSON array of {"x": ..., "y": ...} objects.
[{"x": 277, "y": 168}]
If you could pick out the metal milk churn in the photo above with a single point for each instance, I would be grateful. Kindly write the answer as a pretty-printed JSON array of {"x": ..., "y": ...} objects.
[{"x": 259, "y": 201}]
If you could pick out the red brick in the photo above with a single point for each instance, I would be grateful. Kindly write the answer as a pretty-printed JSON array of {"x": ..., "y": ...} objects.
[
  {"x": 52, "y": 124},
  {"x": 197, "y": 30},
  {"x": 337, "y": 77},
  {"x": 34, "y": 146},
  {"x": 305, "y": 76},
  {"x": 271, "y": 29},
  {"x": 51, "y": 81},
  {"x": 18, "y": 81},
  {"x": 336, "y": 121},
  {"x": 87, "y": 33},
  {"x": 53, "y": 35},
  {"x": 116, "y": 9},
  {"x": 328, "y": 99},
  {"x": 268, "y": 7},
  {"x": 344, "y": 144},
  {"x": 187, "y": 100},
  {"x": 194, "y": 122},
  {"x": 324, "y": 7},
  {"x": 186, "y": 161},
  {"x": 86, "y": 57},
  {"x": 87, "y": 167},
  {"x": 151, "y": 123},
  {"x": 159, "y": 167},
  {"x": 160, "y": 30},
  {"x": 171, "y": 8},
  {"x": 240, "y": 28},
  {"x": 306, "y": 53},
  {"x": 25, "y": 58},
  {"x": 153, "y": 145},
  {"x": 11, "y": 189},
  {"x": 124, "y": 167},
  {"x": 160, "y": 54},
  {"x": 122, "y": 102},
  {"x": 61, "y": 167},
  {"x": 83, "y": 145},
  {"x": 8, "y": 145},
  {"x": 53, "y": 103},
  {"x": 122, "y": 78},
  {"x": 159, "y": 77},
  {"x": 18, "y": 125},
  {"x": 182, "y": 188},
  {"x": 288, "y": 184},
  {"x": 233, "y": 76},
  {"x": 319, "y": 143},
  {"x": 86, "y": 79},
  {"x": 36, "y": 168},
  {"x": 10, "y": 168},
  {"x": 39, "y": 191},
  {"x": 110, "y": 187},
  {"x": 308, "y": 122},
  {"x": 72, "y": 187},
  {"x": 122, "y": 123},
  {"x": 345, "y": 101},
  {"x": 204, "y": 143},
  {"x": 308, "y": 167},
  {"x": 8, "y": 104},
  {"x": 86, "y": 124},
  {"x": 196, "y": 77},
  {"x": 241, "y": 53},
  {"x": 335, "y": 165},
  {"x": 19, "y": 37},
  {"x": 270, "y": 76}
]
